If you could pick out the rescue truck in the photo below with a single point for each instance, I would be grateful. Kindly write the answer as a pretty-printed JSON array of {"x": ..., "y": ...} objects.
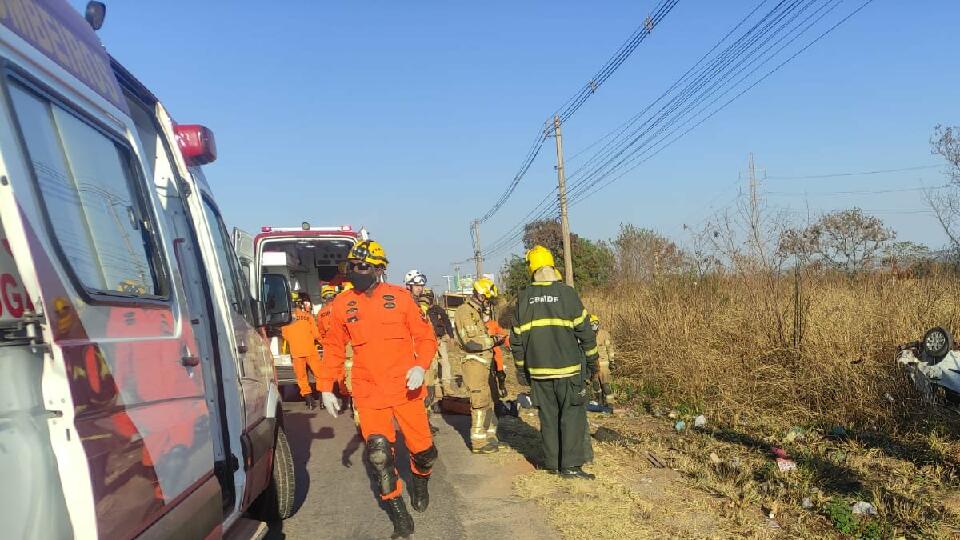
[
  {"x": 138, "y": 396},
  {"x": 307, "y": 256}
]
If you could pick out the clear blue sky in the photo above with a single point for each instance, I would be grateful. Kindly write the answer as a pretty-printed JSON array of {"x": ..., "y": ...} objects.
[{"x": 411, "y": 117}]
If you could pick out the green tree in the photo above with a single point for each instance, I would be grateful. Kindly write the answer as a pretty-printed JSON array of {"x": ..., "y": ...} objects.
[
  {"x": 593, "y": 263},
  {"x": 515, "y": 275}
]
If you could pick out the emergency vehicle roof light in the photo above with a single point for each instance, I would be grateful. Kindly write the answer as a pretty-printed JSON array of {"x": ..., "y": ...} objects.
[
  {"x": 196, "y": 143},
  {"x": 95, "y": 13},
  {"x": 266, "y": 229},
  {"x": 346, "y": 228}
]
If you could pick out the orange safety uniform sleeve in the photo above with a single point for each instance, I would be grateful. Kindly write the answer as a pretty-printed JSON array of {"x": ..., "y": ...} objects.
[{"x": 494, "y": 329}]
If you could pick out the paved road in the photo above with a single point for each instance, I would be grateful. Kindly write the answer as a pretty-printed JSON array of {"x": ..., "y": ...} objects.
[{"x": 470, "y": 496}]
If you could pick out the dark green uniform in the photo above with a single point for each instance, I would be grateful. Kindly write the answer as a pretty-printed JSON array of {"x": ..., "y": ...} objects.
[{"x": 553, "y": 344}]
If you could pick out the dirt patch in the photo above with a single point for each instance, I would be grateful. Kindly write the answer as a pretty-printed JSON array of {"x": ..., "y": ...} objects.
[{"x": 631, "y": 497}]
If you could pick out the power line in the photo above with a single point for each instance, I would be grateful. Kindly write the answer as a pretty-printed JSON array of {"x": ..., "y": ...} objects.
[
  {"x": 861, "y": 173},
  {"x": 623, "y": 127},
  {"x": 583, "y": 193},
  {"x": 750, "y": 48},
  {"x": 710, "y": 72},
  {"x": 854, "y": 192},
  {"x": 746, "y": 51},
  {"x": 577, "y": 100}
]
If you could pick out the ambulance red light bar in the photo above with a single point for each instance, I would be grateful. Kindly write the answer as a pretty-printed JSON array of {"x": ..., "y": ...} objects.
[
  {"x": 306, "y": 227},
  {"x": 196, "y": 143}
]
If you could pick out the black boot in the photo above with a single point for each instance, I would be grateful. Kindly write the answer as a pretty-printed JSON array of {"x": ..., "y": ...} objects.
[
  {"x": 310, "y": 402},
  {"x": 419, "y": 496},
  {"x": 401, "y": 519},
  {"x": 576, "y": 473}
]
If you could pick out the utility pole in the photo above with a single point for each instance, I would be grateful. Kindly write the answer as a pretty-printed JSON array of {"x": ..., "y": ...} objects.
[
  {"x": 755, "y": 215},
  {"x": 564, "y": 222},
  {"x": 477, "y": 255}
]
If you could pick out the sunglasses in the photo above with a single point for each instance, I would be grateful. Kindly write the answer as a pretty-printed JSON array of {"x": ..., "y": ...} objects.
[{"x": 360, "y": 266}]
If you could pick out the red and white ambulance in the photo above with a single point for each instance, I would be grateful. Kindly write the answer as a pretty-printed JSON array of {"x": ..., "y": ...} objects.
[
  {"x": 137, "y": 390},
  {"x": 308, "y": 256}
]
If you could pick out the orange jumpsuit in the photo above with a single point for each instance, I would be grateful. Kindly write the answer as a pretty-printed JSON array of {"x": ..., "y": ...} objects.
[
  {"x": 302, "y": 335},
  {"x": 389, "y": 335}
]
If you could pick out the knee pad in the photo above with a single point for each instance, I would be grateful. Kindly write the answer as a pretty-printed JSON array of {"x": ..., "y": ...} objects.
[
  {"x": 424, "y": 460},
  {"x": 380, "y": 452}
]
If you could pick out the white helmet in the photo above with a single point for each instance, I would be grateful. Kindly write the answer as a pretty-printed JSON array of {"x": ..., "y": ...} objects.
[{"x": 414, "y": 277}]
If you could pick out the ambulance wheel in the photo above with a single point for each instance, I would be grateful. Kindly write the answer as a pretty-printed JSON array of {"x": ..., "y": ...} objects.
[{"x": 276, "y": 502}]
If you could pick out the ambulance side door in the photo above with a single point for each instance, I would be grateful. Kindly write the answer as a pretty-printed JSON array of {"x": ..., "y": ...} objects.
[{"x": 257, "y": 379}]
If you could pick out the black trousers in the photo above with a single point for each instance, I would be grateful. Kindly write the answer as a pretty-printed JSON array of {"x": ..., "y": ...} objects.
[{"x": 563, "y": 420}]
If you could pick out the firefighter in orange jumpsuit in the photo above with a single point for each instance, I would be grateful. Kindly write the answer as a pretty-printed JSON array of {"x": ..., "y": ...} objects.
[
  {"x": 303, "y": 335},
  {"x": 393, "y": 346}
]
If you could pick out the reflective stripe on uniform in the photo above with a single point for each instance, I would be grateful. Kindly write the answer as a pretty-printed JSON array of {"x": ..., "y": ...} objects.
[
  {"x": 480, "y": 359},
  {"x": 550, "y": 322},
  {"x": 547, "y": 373},
  {"x": 591, "y": 352}
]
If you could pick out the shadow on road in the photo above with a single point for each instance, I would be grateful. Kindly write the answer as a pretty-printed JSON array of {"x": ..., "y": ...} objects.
[
  {"x": 461, "y": 424},
  {"x": 522, "y": 438},
  {"x": 300, "y": 436}
]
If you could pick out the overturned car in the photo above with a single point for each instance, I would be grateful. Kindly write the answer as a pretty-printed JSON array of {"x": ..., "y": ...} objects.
[{"x": 933, "y": 365}]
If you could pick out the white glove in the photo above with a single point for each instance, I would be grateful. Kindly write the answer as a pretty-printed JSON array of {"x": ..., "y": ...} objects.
[
  {"x": 415, "y": 377},
  {"x": 330, "y": 403}
]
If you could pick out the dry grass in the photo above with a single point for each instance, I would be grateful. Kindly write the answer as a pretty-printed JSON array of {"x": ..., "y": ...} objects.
[
  {"x": 726, "y": 343},
  {"x": 725, "y": 346}
]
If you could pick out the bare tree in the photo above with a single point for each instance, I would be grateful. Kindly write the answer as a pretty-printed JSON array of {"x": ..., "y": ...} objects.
[
  {"x": 945, "y": 203},
  {"x": 847, "y": 240},
  {"x": 644, "y": 254}
]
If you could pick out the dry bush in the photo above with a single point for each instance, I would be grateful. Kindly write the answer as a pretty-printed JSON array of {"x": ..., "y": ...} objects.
[{"x": 725, "y": 344}]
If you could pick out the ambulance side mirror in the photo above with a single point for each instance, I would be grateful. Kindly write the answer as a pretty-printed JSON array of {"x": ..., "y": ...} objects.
[{"x": 275, "y": 296}]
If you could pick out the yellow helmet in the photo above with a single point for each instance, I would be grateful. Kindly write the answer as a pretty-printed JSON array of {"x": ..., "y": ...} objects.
[
  {"x": 294, "y": 296},
  {"x": 327, "y": 290},
  {"x": 594, "y": 320},
  {"x": 346, "y": 286},
  {"x": 131, "y": 287},
  {"x": 485, "y": 287},
  {"x": 538, "y": 257},
  {"x": 369, "y": 252}
]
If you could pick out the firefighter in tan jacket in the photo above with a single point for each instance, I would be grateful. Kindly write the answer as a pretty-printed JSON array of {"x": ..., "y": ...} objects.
[
  {"x": 603, "y": 381},
  {"x": 478, "y": 345}
]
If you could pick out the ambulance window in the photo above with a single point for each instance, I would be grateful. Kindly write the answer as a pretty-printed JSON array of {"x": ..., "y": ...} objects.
[
  {"x": 233, "y": 280},
  {"x": 87, "y": 188}
]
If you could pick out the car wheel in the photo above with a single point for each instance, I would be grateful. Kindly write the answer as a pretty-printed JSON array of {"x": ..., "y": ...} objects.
[{"x": 276, "y": 502}]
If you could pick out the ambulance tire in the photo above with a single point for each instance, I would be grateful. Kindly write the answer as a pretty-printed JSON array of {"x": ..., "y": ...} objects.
[{"x": 276, "y": 502}]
